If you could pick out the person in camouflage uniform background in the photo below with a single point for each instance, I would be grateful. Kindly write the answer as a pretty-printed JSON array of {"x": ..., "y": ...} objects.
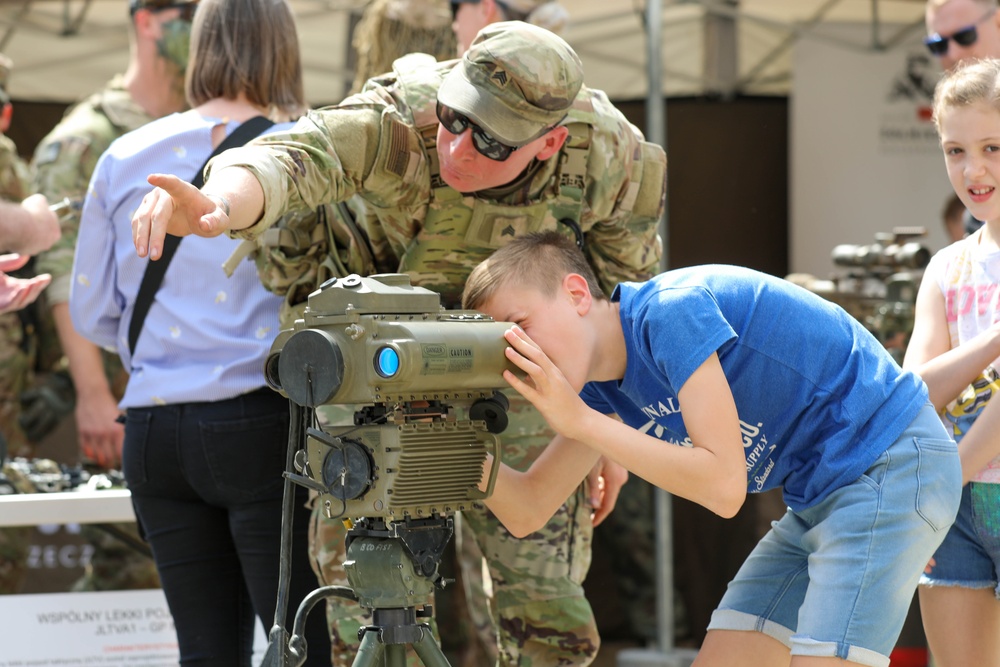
[
  {"x": 400, "y": 175},
  {"x": 15, "y": 354},
  {"x": 15, "y": 364},
  {"x": 151, "y": 86},
  {"x": 390, "y": 29}
]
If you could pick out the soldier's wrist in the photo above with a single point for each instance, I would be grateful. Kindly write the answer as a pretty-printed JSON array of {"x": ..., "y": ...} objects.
[{"x": 220, "y": 201}]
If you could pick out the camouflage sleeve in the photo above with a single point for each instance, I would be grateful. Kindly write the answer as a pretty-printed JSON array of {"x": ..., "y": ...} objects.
[
  {"x": 14, "y": 179},
  {"x": 626, "y": 193},
  {"x": 307, "y": 248},
  {"x": 327, "y": 157},
  {"x": 63, "y": 163}
]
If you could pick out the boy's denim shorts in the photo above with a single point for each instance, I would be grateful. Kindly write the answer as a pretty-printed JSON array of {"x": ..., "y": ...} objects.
[
  {"x": 837, "y": 579},
  {"x": 969, "y": 557}
]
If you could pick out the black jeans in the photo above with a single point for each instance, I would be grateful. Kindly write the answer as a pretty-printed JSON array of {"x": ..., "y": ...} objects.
[{"x": 207, "y": 488}]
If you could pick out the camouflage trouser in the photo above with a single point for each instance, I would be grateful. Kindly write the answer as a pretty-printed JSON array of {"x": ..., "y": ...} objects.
[
  {"x": 15, "y": 375},
  {"x": 114, "y": 565},
  {"x": 628, "y": 539},
  {"x": 477, "y": 589},
  {"x": 538, "y": 605}
]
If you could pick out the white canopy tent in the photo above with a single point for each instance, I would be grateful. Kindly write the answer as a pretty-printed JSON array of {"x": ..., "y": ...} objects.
[{"x": 64, "y": 49}]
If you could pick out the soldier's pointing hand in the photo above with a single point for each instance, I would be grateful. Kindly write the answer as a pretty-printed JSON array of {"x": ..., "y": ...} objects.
[{"x": 175, "y": 207}]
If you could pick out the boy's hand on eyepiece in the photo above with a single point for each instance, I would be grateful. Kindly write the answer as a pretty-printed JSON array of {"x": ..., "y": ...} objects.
[
  {"x": 545, "y": 386},
  {"x": 174, "y": 207}
]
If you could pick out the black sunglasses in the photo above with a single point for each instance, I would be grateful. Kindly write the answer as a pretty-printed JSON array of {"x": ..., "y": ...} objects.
[
  {"x": 967, "y": 36},
  {"x": 456, "y": 123}
]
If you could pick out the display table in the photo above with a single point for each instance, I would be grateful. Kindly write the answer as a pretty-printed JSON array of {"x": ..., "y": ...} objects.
[
  {"x": 101, "y": 629},
  {"x": 83, "y": 506}
]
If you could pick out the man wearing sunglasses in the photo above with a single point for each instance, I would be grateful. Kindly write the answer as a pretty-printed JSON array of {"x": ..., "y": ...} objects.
[
  {"x": 439, "y": 165},
  {"x": 962, "y": 29},
  {"x": 151, "y": 86},
  {"x": 961, "y": 618}
]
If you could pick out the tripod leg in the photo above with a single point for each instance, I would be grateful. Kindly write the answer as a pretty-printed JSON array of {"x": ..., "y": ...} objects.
[
  {"x": 369, "y": 652},
  {"x": 429, "y": 652},
  {"x": 395, "y": 655}
]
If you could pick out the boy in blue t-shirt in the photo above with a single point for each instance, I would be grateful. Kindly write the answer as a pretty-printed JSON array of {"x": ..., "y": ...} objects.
[{"x": 761, "y": 384}]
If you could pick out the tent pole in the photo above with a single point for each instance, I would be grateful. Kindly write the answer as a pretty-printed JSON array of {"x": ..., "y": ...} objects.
[{"x": 664, "y": 654}]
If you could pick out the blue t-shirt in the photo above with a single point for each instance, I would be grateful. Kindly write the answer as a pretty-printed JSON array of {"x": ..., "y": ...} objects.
[{"x": 818, "y": 397}]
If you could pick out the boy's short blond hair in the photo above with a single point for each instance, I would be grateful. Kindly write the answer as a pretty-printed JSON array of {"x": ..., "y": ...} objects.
[
  {"x": 540, "y": 260},
  {"x": 971, "y": 82}
]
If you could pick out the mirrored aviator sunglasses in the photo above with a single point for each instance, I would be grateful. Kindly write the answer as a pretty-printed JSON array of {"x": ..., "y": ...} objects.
[
  {"x": 487, "y": 146},
  {"x": 967, "y": 36},
  {"x": 938, "y": 45}
]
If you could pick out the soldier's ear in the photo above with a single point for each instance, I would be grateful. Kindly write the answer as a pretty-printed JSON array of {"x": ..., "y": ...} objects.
[
  {"x": 491, "y": 12},
  {"x": 5, "y": 116},
  {"x": 146, "y": 23},
  {"x": 554, "y": 140}
]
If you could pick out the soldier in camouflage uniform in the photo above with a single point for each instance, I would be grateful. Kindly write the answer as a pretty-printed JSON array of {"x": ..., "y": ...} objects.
[
  {"x": 152, "y": 86},
  {"x": 14, "y": 344},
  {"x": 429, "y": 170},
  {"x": 15, "y": 352}
]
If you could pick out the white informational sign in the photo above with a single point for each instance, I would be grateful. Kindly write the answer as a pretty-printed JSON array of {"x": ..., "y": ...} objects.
[
  {"x": 864, "y": 153},
  {"x": 131, "y": 628}
]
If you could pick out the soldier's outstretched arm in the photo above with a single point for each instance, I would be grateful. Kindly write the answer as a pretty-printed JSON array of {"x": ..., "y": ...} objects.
[
  {"x": 231, "y": 199},
  {"x": 29, "y": 227}
]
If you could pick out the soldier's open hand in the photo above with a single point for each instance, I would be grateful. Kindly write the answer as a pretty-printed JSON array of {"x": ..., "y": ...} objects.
[
  {"x": 16, "y": 293},
  {"x": 174, "y": 207}
]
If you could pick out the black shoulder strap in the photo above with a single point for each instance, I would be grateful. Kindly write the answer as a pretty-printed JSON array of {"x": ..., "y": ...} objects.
[{"x": 155, "y": 271}]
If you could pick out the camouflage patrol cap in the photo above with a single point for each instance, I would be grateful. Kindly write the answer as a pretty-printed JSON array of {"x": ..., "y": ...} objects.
[
  {"x": 136, "y": 5},
  {"x": 516, "y": 81},
  {"x": 524, "y": 6}
]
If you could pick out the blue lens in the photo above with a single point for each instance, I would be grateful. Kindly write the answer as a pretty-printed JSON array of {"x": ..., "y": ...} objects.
[{"x": 387, "y": 362}]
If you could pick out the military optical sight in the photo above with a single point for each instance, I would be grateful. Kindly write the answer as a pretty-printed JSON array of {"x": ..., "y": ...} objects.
[
  {"x": 425, "y": 381},
  {"x": 893, "y": 251}
]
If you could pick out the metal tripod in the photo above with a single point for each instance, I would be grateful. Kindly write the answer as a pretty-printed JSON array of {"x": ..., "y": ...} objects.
[{"x": 391, "y": 566}]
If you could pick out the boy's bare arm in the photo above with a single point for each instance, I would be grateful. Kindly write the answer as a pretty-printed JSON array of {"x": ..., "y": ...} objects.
[
  {"x": 711, "y": 473},
  {"x": 525, "y": 501},
  {"x": 231, "y": 199}
]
